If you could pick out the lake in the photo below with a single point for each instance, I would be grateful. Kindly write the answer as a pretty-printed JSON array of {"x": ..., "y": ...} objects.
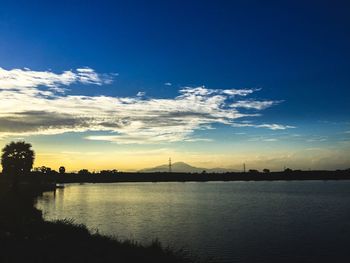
[{"x": 275, "y": 221}]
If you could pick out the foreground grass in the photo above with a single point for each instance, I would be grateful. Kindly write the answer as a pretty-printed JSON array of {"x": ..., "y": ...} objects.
[{"x": 26, "y": 237}]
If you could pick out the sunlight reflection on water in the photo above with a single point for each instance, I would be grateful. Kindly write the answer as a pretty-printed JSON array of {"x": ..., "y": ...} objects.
[{"x": 219, "y": 221}]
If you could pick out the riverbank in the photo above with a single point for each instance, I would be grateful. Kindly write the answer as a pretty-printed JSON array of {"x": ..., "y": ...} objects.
[{"x": 26, "y": 237}]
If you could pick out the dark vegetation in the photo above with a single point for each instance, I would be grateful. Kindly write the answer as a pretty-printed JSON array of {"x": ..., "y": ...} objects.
[
  {"x": 26, "y": 237},
  {"x": 84, "y": 176}
]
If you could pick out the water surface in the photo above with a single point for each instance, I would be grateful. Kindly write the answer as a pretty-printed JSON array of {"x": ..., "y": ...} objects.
[{"x": 296, "y": 221}]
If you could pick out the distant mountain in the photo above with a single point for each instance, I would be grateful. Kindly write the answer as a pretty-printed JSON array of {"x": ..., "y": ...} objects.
[{"x": 181, "y": 167}]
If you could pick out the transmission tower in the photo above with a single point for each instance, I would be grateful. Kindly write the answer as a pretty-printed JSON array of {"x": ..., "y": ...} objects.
[{"x": 169, "y": 165}]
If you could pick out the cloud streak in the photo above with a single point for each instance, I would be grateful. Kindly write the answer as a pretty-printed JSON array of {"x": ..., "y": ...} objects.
[
  {"x": 272, "y": 126},
  {"x": 257, "y": 105},
  {"x": 35, "y": 102},
  {"x": 26, "y": 78}
]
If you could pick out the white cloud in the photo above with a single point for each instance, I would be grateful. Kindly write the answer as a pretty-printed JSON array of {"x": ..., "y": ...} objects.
[
  {"x": 223, "y": 92},
  {"x": 253, "y": 104},
  {"x": 272, "y": 126},
  {"x": 270, "y": 140},
  {"x": 141, "y": 94},
  {"x": 168, "y": 84},
  {"x": 26, "y": 78},
  {"x": 27, "y": 108}
]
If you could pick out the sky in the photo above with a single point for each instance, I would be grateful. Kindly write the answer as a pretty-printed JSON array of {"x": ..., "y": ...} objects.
[{"x": 127, "y": 84}]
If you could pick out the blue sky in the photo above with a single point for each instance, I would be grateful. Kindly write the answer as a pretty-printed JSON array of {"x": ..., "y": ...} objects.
[{"x": 293, "y": 55}]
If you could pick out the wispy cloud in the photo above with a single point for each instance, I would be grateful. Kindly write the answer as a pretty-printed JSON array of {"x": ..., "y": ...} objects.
[
  {"x": 34, "y": 102},
  {"x": 272, "y": 126},
  {"x": 317, "y": 139},
  {"x": 275, "y": 126},
  {"x": 262, "y": 139},
  {"x": 253, "y": 104},
  {"x": 26, "y": 78},
  {"x": 270, "y": 140},
  {"x": 168, "y": 84}
]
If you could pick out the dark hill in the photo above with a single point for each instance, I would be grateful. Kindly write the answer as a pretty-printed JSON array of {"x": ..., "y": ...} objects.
[{"x": 181, "y": 167}]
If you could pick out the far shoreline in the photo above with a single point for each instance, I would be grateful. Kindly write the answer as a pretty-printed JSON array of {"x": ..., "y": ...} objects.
[{"x": 127, "y": 177}]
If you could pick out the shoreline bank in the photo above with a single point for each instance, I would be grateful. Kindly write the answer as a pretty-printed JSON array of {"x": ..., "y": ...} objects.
[{"x": 26, "y": 236}]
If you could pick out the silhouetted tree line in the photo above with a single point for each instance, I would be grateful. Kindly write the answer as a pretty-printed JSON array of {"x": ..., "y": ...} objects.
[{"x": 18, "y": 157}]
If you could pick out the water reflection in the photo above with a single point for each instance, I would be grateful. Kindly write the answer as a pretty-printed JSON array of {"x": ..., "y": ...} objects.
[{"x": 228, "y": 222}]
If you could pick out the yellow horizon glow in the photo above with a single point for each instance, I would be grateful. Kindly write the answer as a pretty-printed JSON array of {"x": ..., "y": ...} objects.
[{"x": 99, "y": 157}]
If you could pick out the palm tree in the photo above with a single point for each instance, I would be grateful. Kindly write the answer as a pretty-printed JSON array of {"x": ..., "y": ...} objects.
[{"x": 17, "y": 158}]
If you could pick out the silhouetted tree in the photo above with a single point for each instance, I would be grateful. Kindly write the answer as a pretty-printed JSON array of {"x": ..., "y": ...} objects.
[
  {"x": 17, "y": 158},
  {"x": 266, "y": 171},
  {"x": 62, "y": 170},
  {"x": 109, "y": 172},
  {"x": 45, "y": 170},
  {"x": 83, "y": 172}
]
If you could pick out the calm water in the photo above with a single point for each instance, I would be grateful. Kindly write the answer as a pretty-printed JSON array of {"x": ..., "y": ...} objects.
[{"x": 221, "y": 222}]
